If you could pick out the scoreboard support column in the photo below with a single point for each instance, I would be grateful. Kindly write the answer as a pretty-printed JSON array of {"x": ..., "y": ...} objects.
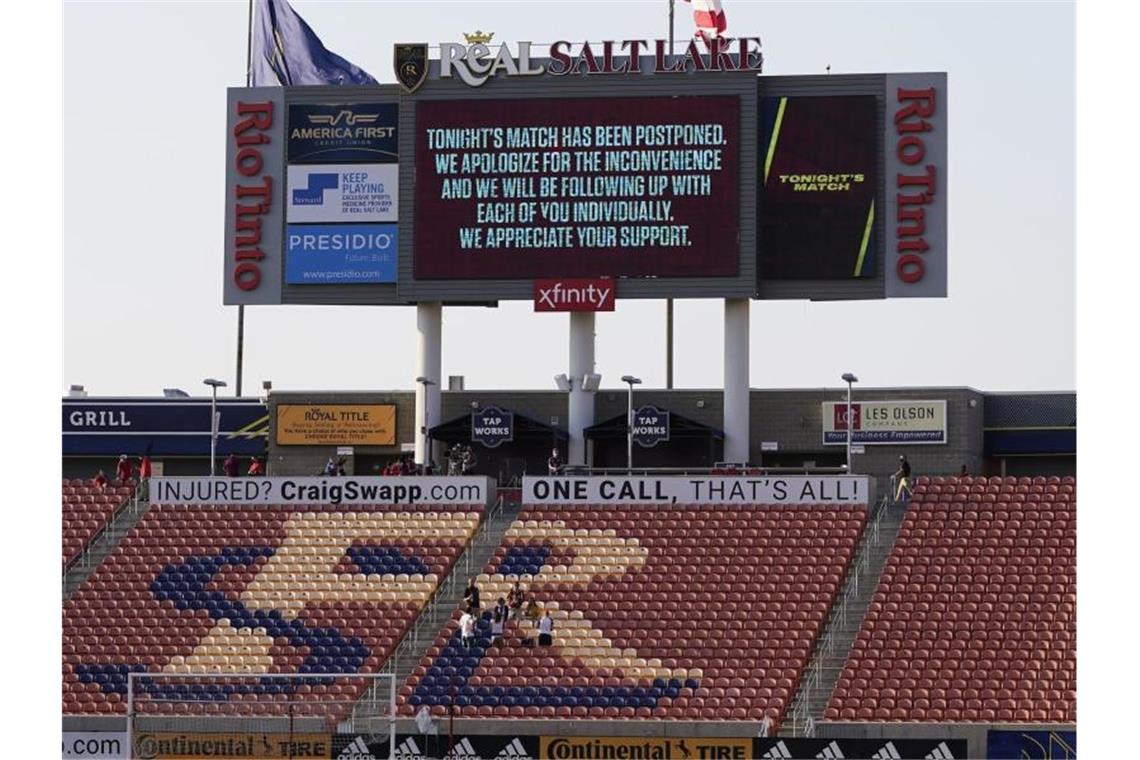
[
  {"x": 429, "y": 330},
  {"x": 736, "y": 383},
  {"x": 581, "y": 403}
]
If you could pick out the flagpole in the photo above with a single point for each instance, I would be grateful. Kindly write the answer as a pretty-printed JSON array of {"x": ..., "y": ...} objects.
[
  {"x": 669, "y": 301},
  {"x": 241, "y": 307}
]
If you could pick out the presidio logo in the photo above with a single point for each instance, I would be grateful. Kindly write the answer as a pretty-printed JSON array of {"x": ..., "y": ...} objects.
[
  {"x": 345, "y": 116},
  {"x": 313, "y": 194}
]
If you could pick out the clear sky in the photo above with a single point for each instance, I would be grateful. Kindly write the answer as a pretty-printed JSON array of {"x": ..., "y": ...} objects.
[{"x": 144, "y": 98}]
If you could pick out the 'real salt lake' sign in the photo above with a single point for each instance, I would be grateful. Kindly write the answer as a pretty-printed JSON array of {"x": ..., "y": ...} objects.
[{"x": 475, "y": 64}]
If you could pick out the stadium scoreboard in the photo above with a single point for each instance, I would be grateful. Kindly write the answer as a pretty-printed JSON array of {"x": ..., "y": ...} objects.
[{"x": 671, "y": 181}]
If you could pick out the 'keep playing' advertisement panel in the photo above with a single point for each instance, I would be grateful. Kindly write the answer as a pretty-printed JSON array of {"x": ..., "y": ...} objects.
[{"x": 577, "y": 188}]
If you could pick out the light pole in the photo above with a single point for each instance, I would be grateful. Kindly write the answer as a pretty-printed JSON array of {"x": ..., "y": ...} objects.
[
  {"x": 426, "y": 426},
  {"x": 214, "y": 385},
  {"x": 632, "y": 381},
  {"x": 850, "y": 379}
]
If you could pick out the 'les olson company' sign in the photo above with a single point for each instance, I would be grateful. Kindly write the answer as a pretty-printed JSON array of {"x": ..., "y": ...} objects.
[
  {"x": 255, "y": 134},
  {"x": 885, "y": 422}
]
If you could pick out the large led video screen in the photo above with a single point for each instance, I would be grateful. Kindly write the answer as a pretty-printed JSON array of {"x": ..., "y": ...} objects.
[
  {"x": 818, "y": 181},
  {"x": 577, "y": 187}
]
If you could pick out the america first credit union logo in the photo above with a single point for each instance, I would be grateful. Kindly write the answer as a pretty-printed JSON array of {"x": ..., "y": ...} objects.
[
  {"x": 343, "y": 133},
  {"x": 410, "y": 60}
]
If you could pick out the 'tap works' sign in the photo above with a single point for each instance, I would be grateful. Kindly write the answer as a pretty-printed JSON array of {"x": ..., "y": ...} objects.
[{"x": 492, "y": 426}]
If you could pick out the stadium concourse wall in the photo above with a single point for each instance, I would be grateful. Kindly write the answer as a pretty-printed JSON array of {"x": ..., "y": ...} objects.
[
  {"x": 991, "y": 433},
  {"x": 790, "y": 419}
]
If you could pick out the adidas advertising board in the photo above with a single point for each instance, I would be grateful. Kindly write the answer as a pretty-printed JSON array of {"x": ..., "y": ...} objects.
[
  {"x": 420, "y": 747},
  {"x": 776, "y": 748}
]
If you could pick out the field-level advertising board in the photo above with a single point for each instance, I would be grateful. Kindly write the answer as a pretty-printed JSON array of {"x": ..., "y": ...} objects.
[
  {"x": 474, "y": 189},
  {"x": 271, "y": 715}
]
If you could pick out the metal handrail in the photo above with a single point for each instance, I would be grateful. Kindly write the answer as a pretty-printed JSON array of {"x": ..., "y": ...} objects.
[
  {"x": 812, "y": 680},
  {"x": 128, "y": 508},
  {"x": 411, "y": 639}
]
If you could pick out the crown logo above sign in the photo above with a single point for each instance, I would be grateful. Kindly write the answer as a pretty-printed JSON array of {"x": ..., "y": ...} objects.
[{"x": 478, "y": 37}]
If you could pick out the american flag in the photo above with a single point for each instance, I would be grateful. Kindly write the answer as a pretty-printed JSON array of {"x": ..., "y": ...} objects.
[{"x": 709, "y": 18}]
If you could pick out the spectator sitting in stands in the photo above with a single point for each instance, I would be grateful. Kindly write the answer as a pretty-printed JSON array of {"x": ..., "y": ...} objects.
[
  {"x": 340, "y": 467},
  {"x": 256, "y": 469},
  {"x": 501, "y": 608},
  {"x": 230, "y": 466},
  {"x": 100, "y": 480},
  {"x": 330, "y": 468},
  {"x": 124, "y": 471},
  {"x": 144, "y": 467},
  {"x": 408, "y": 466},
  {"x": 964, "y": 473},
  {"x": 532, "y": 613},
  {"x": 468, "y": 461},
  {"x": 515, "y": 598}
]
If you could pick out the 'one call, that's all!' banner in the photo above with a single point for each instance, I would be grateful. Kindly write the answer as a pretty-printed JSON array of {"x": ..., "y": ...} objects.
[
  {"x": 681, "y": 489},
  {"x": 577, "y": 188}
]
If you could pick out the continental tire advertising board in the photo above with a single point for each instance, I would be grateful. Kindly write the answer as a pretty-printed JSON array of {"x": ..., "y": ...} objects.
[
  {"x": 176, "y": 745},
  {"x": 629, "y": 747},
  {"x": 336, "y": 424}
]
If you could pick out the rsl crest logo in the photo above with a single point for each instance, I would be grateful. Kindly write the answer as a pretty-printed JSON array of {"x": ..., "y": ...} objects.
[{"x": 411, "y": 62}]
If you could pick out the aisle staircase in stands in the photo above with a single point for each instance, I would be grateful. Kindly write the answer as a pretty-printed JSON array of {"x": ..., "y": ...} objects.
[
  {"x": 844, "y": 620},
  {"x": 104, "y": 543},
  {"x": 437, "y": 612}
]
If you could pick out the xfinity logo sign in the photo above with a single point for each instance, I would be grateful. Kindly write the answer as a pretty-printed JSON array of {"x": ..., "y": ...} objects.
[{"x": 574, "y": 295}]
